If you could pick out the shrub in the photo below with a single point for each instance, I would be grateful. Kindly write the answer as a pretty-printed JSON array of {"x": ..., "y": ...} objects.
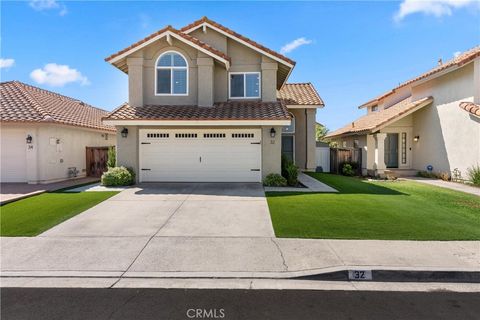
[
  {"x": 445, "y": 176},
  {"x": 118, "y": 176},
  {"x": 274, "y": 180},
  {"x": 426, "y": 174},
  {"x": 474, "y": 174},
  {"x": 347, "y": 170},
  {"x": 289, "y": 171},
  {"x": 111, "y": 157}
]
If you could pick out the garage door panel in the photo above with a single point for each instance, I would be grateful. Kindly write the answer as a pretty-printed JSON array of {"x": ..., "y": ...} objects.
[
  {"x": 219, "y": 159},
  {"x": 13, "y": 155}
]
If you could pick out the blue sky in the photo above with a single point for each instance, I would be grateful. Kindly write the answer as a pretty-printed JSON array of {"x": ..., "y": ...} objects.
[{"x": 353, "y": 51}]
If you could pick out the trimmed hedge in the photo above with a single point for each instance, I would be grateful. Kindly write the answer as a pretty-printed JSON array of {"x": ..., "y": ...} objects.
[{"x": 118, "y": 176}]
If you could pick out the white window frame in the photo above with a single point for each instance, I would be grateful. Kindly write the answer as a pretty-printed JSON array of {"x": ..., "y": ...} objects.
[
  {"x": 244, "y": 85},
  {"x": 293, "y": 121},
  {"x": 171, "y": 75}
]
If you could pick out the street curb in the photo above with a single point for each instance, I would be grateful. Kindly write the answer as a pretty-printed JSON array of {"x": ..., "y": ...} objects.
[{"x": 370, "y": 274}]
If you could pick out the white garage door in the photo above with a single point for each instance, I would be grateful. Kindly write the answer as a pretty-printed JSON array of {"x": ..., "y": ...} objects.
[
  {"x": 200, "y": 155},
  {"x": 13, "y": 155}
]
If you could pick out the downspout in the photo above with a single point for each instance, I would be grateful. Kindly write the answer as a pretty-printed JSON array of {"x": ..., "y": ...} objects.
[{"x": 306, "y": 139}]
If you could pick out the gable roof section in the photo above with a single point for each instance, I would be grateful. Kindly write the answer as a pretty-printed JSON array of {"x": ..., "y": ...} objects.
[
  {"x": 21, "y": 102},
  {"x": 234, "y": 110},
  {"x": 470, "y": 107},
  {"x": 374, "y": 121},
  {"x": 300, "y": 94},
  {"x": 454, "y": 63},
  {"x": 167, "y": 32},
  {"x": 232, "y": 34}
]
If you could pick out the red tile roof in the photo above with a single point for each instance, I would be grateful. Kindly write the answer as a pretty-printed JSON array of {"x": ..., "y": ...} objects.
[
  {"x": 300, "y": 94},
  {"x": 471, "y": 107},
  {"x": 374, "y": 120},
  {"x": 234, "y": 110},
  {"x": 181, "y": 34},
  {"x": 458, "y": 61},
  {"x": 237, "y": 35},
  {"x": 21, "y": 102}
]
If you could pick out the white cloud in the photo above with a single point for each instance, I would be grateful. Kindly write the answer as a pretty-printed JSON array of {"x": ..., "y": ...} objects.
[
  {"x": 456, "y": 54},
  {"x": 41, "y": 5},
  {"x": 289, "y": 47},
  {"x": 6, "y": 63},
  {"x": 436, "y": 8},
  {"x": 57, "y": 75}
]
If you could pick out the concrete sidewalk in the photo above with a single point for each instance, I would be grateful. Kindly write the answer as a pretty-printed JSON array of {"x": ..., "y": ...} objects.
[
  {"x": 448, "y": 185},
  {"x": 227, "y": 257}
]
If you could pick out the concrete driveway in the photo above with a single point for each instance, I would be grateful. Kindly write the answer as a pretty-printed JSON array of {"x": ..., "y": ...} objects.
[{"x": 175, "y": 210}]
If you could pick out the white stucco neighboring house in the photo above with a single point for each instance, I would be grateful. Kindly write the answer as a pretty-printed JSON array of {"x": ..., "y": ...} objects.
[
  {"x": 47, "y": 137},
  {"x": 429, "y": 123},
  {"x": 207, "y": 104}
]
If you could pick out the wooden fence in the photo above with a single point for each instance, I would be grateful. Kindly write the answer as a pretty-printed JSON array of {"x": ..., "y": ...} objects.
[{"x": 339, "y": 156}]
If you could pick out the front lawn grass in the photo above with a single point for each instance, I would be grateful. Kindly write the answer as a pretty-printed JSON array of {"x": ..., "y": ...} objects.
[
  {"x": 34, "y": 215},
  {"x": 386, "y": 210}
]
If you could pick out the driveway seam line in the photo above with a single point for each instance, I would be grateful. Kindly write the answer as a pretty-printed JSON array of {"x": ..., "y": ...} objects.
[{"x": 150, "y": 239}]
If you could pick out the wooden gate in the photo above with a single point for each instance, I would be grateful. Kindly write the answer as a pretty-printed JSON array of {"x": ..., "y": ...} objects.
[
  {"x": 340, "y": 156},
  {"x": 96, "y": 161}
]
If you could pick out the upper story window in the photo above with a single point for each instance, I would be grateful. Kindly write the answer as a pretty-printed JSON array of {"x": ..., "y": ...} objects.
[
  {"x": 244, "y": 85},
  {"x": 171, "y": 75},
  {"x": 374, "y": 108},
  {"x": 291, "y": 127}
]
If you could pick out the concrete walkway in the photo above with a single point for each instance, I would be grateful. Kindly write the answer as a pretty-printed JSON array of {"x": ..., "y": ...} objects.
[
  {"x": 15, "y": 191},
  {"x": 225, "y": 257},
  {"x": 449, "y": 185},
  {"x": 311, "y": 185}
]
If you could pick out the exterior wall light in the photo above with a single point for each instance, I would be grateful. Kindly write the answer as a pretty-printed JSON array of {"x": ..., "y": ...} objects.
[
  {"x": 416, "y": 138},
  {"x": 29, "y": 139},
  {"x": 273, "y": 132},
  {"x": 124, "y": 132}
]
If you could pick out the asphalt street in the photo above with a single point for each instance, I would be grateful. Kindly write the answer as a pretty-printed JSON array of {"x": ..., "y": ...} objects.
[{"x": 138, "y": 304}]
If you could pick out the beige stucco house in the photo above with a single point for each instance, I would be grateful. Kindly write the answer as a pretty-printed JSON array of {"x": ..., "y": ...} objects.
[
  {"x": 208, "y": 104},
  {"x": 47, "y": 137},
  {"x": 429, "y": 122}
]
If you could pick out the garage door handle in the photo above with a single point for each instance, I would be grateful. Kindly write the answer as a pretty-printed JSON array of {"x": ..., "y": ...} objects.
[
  {"x": 200, "y": 159},
  {"x": 254, "y": 142},
  {"x": 254, "y": 169},
  {"x": 145, "y": 142},
  {"x": 146, "y": 169}
]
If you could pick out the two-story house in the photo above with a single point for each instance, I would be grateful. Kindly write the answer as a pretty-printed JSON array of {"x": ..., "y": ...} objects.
[
  {"x": 208, "y": 104},
  {"x": 428, "y": 123}
]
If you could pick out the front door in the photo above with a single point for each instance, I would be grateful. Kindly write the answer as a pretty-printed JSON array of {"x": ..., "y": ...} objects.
[
  {"x": 287, "y": 147},
  {"x": 391, "y": 150}
]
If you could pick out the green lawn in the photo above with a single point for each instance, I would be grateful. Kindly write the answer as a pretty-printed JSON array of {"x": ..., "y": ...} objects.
[
  {"x": 399, "y": 210},
  {"x": 32, "y": 216}
]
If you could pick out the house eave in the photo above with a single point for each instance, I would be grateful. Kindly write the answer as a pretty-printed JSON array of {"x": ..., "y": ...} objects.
[{"x": 197, "y": 123}]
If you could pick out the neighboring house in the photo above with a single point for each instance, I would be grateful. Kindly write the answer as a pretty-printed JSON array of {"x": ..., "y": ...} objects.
[
  {"x": 208, "y": 104},
  {"x": 48, "y": 137},
  {"x": 429, "y": 122}
]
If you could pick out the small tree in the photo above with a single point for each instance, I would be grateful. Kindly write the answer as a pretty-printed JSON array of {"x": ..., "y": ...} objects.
[
  {"x": 320, "y": 132},
  {"x": 111, "y": 157}
]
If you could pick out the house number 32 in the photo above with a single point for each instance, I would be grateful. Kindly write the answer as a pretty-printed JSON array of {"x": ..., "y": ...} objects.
[{"x": 359, "y": 275}]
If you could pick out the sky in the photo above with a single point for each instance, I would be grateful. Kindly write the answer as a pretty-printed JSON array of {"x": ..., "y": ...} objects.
[{"x": 351, "y": 51}]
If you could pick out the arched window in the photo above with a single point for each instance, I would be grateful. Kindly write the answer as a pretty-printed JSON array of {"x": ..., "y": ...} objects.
[
  {"x": 291, "y": 127},
  {"x": 171, "y": 76}
]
